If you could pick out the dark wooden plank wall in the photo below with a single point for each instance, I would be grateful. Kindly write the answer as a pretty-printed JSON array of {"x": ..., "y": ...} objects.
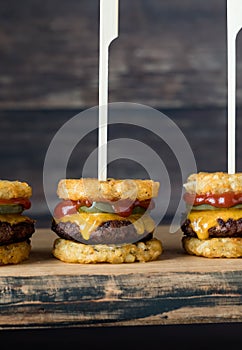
[{"x": 170, "y": 55}]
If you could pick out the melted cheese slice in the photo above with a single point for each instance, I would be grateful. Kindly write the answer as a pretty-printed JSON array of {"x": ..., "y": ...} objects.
[
  {"x": 202, "y": 220},
  {"x": 13, "y": 218},
  {"x": 89, "y": 222}
]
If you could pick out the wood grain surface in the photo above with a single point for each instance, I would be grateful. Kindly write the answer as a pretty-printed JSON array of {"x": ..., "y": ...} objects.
[
  {"x": 176, "y": 289},
  {"x": 169, "y": 54}
]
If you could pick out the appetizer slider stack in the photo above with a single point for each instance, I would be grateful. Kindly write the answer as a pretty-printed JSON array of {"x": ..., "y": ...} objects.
[
  {"x": 15, "y": 228},
  {"x": 105, "y": 221},
  {"x": 213, "y": 224}
]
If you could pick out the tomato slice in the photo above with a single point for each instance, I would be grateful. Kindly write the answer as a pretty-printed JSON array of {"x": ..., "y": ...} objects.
[
  {"x": 125, "y": 207},
  {"x": 68, "y": 207},
  {"x": 63, "y": 208},
  {"x": 25, "y": 202},
  {"x": 223, "y": 200}
]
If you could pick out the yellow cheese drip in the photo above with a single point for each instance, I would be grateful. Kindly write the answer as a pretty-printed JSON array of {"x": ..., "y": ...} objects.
[
  {"x": 202, "y": 220},
  {"x": 88, "y": 222},
  {"x": 12, "y": 218}
]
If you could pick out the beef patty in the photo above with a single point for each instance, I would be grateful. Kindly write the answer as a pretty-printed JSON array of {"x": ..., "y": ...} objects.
[
  {"x": 19, "y": 232},
  {"x": 110, "y": 232},
  {"x": 229, "y": 228}
]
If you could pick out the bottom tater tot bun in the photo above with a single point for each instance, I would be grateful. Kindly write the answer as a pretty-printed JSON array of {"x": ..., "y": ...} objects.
[
  {"x": 213, "y": 247},
  {"x": 14, "y": 253},
  {"x": 16, "y": 229},
  {"x": 74, "y": 252},
  {"x": 212, "y": 226},
  {"x": 105, "y": 221}
]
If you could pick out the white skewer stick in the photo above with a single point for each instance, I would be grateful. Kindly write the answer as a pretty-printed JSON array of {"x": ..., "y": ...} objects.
[
  {"x": 234, "y": 24},
  {"x": 108, "y": 32}
]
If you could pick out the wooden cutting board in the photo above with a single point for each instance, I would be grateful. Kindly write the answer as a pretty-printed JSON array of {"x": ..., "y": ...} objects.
[{"x": 176, "y": 289}]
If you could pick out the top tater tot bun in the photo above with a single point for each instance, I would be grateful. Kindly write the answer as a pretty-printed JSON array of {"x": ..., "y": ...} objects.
[
  {"x": 218, "y": 182},
  {"x": 14, "y": 189},
  {"x": 112, "y": 189}
]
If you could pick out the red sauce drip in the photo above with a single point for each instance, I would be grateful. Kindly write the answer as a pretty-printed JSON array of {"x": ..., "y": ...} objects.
[
  {"x": 123, "y": 207},
  {"x": 224, "y": 200},
  {"x": 25, "y": 202}
]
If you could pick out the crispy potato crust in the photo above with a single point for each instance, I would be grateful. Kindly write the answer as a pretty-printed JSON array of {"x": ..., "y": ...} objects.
[
  {"x": 14, "y": 189},
  {"x": 14, "y": 253},
  {"x": 72, "y": 252},
  {"x": 112, "y": 189},
  {"x": 217, "y": 183},
  {"x": 214, "y": 247}
]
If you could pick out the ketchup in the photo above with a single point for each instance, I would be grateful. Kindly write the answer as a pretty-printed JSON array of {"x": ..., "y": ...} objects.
[
  {"x": 25, "y": 202},
  {"x": 223, "y": 200},
  {"x": 122, "y": 207},
  {"x": 125, "y": 207}
]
